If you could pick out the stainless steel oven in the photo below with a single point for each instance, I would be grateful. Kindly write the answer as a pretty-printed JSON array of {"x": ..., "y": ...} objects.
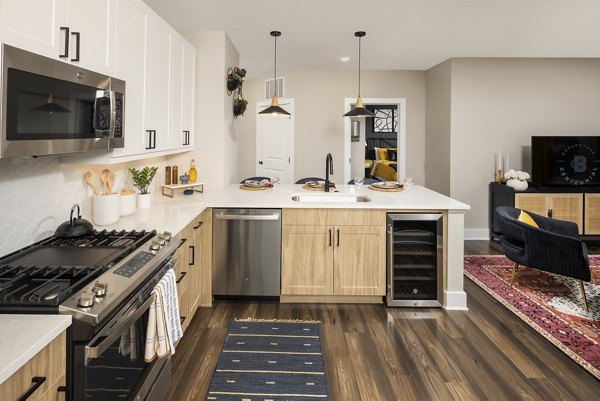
[
  {"x": 50, "y": 107},
  {"x": 104, "y": 281},
  {"x": 110, "y": 366}
]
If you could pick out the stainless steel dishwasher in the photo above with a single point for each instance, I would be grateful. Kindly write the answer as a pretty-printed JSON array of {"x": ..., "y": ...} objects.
[{"x": 246, "y": 252}]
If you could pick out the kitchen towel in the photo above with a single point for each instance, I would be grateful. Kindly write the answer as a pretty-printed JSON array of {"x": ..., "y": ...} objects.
[{"x": 164, "y": 326}]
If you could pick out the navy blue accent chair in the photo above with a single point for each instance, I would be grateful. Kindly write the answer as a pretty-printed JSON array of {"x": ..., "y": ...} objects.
[
  {"x": 554, "y": 247},
  {"x": 307, "y": 179},
  {"x": 367, "y": 181},
  {"x": 254, "y": 178}
]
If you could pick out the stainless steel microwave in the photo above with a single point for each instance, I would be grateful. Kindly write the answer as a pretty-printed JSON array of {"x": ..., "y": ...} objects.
[{"x": 51, "y": 107}]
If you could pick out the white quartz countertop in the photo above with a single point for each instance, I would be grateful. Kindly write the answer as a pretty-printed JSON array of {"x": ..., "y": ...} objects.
[
  {"x": 173, "y": 214},
  {"x": 23, "y": 336}
]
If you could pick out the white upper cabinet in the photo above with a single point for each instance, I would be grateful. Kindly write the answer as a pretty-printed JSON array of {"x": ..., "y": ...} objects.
[
  {"x": 130, "y": 66},
  {"x": 34, "y": 25},
  {"x": 75, "y": 31},
  {"x": 183, "y": 68},
  {"x": 158, "y": 82},
  {"x": 188, "y": 106},
  {"x": 92, "y": 31}
]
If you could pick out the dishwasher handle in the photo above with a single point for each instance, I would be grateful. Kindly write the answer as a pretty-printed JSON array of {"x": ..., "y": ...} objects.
[{"x": 256, "y": 217}]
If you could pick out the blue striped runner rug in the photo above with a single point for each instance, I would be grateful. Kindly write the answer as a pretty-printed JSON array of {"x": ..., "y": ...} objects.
[{"x": 270, "y": 360}]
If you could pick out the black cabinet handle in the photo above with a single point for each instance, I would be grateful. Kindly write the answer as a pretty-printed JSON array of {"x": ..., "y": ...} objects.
[
  {"x": 77, "y": 47},
  {"x": 330, "y": 237},
  {"x": 37, "y": 381},
  {"x": 66, "y": 53},
  {"x": 186, "y": 137},
  {"x": 198, "y": 226},
  {"x": 338, "y": 237},
  {"x": 260, "y": 162},
  {"x": 181, "y": 319},
  {"x": 151, "y": 139},
  {"x": 550, "y": 213},
  {"x": 193, "y": 248},
  {"x": 181, "y": 277}
]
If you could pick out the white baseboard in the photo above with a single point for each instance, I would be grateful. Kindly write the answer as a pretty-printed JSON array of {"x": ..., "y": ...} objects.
[
  {"x": 455, "y": 300},
  {"x": 477, "y": 233}
]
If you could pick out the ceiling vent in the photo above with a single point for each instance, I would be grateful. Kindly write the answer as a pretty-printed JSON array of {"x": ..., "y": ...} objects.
[{"x": 270, "y": 88}]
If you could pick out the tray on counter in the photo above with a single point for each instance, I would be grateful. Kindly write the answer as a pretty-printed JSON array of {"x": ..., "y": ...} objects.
[{"x": 169, "y": 190}]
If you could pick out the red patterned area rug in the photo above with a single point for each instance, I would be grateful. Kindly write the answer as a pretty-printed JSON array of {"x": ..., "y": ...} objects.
[{"x": 549, "y": 303}]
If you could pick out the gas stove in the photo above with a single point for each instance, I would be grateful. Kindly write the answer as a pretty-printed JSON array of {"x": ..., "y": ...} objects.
[
  {"x": 49, "y": 271},
  {"x": 82, "y": 276}
]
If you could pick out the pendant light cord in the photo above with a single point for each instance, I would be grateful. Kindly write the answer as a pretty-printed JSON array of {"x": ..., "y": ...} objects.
[
  {"x": 275, "y": 73},
  {"x": 359, "y": 66}
]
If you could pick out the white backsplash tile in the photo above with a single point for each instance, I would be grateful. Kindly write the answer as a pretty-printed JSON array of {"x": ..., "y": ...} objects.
[{"x": 36, "y": 195}]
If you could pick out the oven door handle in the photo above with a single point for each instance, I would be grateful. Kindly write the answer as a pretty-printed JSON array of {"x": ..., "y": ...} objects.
[{"x": 96, "y": 351}]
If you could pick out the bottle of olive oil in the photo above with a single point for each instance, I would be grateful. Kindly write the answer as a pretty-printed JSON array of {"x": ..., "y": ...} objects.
[{"x": 193, "y": 173}]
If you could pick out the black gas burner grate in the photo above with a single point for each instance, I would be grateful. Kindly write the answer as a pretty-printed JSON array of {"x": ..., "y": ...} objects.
[{"x": 49, "y": 271}]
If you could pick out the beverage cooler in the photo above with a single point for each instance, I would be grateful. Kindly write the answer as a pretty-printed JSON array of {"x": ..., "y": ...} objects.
[{"x": 414, "y": 259}]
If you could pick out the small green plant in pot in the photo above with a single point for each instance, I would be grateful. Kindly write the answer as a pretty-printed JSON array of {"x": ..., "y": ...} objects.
[
  {"x": 142, "y": 180},
  {"x": 239, "y": 106}
]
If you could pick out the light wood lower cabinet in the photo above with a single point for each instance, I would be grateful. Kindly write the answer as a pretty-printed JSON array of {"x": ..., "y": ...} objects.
[
  {"x": 49, "y": 363},
  {"x": 307, "y": 259},
  {"x": 568, "y": 207},
  {"x": 194, "y": 268},
  {"x": 592, "y": 214},
  {"x": 359, "y": 260},
  {"x": 338, "y": 258}
]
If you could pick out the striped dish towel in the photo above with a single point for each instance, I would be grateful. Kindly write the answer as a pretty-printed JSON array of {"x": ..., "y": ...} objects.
[{"x": 164, "y": 326}]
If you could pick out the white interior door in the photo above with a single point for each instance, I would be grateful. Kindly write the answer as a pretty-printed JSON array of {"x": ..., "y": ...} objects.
[{"x": 275, "y": 143}]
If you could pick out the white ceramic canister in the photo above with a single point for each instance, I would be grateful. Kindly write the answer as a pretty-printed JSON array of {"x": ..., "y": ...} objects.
[
  {"x": 127, "y": 204},
  {"x": 105, "y": 209}
]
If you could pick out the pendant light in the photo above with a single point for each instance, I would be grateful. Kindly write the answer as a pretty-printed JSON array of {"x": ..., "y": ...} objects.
[
  {"x": 359, "y": 109},
  {"x": 274, "y": 109}
]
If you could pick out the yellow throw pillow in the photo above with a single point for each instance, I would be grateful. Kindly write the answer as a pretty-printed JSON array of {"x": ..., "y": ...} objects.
[
  {"x": 381, "y": 154},
  {"x": 526, "y": 218}
]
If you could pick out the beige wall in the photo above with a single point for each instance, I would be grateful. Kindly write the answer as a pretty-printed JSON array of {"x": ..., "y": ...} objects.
[
  {"x": 217, "y": 146},
  {"x": 437, "y": 141},
  {"x": 498, "y": 104},
  {"x": 319, "y": 105}
]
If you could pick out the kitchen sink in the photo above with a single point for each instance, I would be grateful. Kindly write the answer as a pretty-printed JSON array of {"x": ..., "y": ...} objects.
[{"x": 330, "y": 198}]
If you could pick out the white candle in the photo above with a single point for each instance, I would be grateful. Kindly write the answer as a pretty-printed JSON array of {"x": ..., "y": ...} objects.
[{"x": 499, "y": 160}]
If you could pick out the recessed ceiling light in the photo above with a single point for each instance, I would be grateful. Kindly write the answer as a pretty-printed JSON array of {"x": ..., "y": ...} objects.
[{"x": 344, "y": 59}]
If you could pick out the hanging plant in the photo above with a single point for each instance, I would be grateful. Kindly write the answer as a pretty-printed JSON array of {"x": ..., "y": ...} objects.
[
  {"x": 235, "y": 79},
  {"x": 239, "y": 104}
]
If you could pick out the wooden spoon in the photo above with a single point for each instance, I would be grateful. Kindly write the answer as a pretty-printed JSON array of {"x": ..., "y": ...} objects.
[
  {"x": 88, "y": 177},
  {"x": 104, "y": 177},
  {"x": 111, "y": 181}
]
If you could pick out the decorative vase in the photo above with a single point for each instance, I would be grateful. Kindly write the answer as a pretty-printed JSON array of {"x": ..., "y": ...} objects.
[
  {"x": 517, "y": 184},
  {"x": 143, "y": 201}
]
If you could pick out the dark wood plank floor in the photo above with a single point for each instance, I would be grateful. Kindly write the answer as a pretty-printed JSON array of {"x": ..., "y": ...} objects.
[{"x": 377, "y": 353}]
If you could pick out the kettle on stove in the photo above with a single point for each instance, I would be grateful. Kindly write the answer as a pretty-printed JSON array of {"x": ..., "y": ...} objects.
[{"x": 75, "y": 227}]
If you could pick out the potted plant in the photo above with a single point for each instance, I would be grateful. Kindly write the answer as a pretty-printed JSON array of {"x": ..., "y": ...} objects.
[
  {"x": 142, "y": 180},
  {"x": 235, "y": 79},
  {"x": 239, "y": 106}
]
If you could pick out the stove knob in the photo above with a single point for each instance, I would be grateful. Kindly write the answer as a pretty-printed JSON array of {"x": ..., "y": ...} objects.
[
  {"x": 155, "y": 246},
  {"x": 166, "y": 235},
  {"x": 161, "y": 240},
  {"x": 100, "y": 289},
  {"x": 86, "y": 300}
]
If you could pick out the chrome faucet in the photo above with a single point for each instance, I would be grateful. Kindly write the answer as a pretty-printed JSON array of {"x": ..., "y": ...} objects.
[{"x": 328, "y": 170}]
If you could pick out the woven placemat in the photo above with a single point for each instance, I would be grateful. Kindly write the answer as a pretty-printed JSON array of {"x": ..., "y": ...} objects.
[
  {"x": 372, "y": 188},
  {"x": 247, "y": 188},
  {"x": 309, "y": 188}
]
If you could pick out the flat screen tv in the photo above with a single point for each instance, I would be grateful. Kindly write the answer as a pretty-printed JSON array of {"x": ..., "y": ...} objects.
[{"x": 565, "y": 160}]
